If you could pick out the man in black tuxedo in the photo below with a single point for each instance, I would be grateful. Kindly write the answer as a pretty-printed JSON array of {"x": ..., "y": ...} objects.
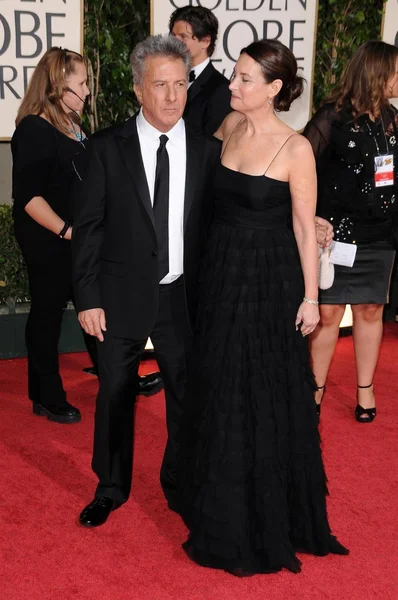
[
  {"x": 136, "y": 247},
  {"x": 208, "y": 93}
]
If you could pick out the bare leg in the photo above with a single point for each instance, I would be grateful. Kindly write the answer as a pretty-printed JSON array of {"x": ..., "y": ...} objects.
[
  {"x": 323, "y": 343},
  {"x": 367, "y": 334}
]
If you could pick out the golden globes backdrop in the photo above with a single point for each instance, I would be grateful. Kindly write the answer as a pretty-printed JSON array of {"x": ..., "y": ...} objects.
[
  {"x": 27, "y": 29},
  {"x": 389, "y": 31},
  {"x": 241, "y": 22}
]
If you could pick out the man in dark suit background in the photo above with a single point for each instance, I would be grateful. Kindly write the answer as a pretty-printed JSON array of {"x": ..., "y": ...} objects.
[
  {"x": 136, "y": 249},
  {"x": 209, "y": 97}
]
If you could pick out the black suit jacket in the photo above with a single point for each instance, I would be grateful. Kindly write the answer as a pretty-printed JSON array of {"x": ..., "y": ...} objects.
[
  {"x": 114, "y": 241},
  {"x": 208, "y": 101}
]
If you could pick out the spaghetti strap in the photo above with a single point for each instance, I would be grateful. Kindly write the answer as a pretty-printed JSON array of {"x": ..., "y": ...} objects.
[
  {"x": 230, "y": 135},
  {"x": 284, "y": 143}
]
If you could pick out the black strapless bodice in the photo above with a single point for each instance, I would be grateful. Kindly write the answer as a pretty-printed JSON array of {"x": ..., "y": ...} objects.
[{"x": 257, "y": 202}]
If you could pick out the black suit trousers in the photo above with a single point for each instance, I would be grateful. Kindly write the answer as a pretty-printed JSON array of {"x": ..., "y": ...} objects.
[{"x": 118, "y": 360}]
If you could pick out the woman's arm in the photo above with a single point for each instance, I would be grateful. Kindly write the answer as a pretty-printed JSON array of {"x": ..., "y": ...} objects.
[
  {"x": 303, "y": 189},
  {"x": 41, "y": 212},
  {"x": 34, "y": 148},
  {"x": 318, "y": 132}
]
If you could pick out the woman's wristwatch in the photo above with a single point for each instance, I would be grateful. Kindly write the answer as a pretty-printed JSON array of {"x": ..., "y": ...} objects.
[{"x": 64, "y": 229}]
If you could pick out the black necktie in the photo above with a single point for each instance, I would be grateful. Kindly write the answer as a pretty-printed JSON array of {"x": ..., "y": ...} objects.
[
  {"x": 161, "y": 205},
  {"x": 192, "y": 76}
]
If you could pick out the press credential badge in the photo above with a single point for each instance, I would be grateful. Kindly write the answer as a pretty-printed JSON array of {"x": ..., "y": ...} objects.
[{"x": 384, "y": 170}]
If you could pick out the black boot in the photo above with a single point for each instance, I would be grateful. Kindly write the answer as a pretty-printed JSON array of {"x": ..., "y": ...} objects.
[{"x": 63, "y": 412}]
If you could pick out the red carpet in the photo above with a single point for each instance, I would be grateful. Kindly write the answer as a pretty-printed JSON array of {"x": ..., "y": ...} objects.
[{"x": 46, "y": 481}]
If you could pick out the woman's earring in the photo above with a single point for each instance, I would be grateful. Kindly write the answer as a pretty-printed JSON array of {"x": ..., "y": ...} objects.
[{"x": 270, "y": 100}]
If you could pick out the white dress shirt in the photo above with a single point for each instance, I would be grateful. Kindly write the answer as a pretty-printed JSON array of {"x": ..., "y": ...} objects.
[
  {"x": 176, "y": 148},
  {"x": 199, "y": 70}
]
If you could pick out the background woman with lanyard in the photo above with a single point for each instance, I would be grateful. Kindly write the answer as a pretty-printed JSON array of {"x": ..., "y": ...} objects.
[
  {"x": 354, "y": 138},
  {"x": 47, "y": 138}
]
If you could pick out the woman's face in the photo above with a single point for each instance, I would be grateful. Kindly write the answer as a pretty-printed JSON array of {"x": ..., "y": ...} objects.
[
  {"x": 391, "y": 90},
  {"x": 249, "y": 90},
  {"x": 77, "y": 82}
]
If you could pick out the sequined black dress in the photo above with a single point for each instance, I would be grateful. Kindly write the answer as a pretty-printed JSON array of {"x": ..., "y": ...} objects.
[{"x": 361, "y": 213}]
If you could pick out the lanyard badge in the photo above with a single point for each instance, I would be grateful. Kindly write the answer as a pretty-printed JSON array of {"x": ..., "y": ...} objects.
[
  {"x": 384, "y": 170},
  {"x": 383, "y": 163}
]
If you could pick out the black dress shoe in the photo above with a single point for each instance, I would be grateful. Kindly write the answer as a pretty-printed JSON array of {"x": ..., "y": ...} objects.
[
  {"x": 97, "y": 512},
  {"x": 150, "y": 384},
  {"x": 61, "y": 413},
  {"x": 90, "y": 371}
]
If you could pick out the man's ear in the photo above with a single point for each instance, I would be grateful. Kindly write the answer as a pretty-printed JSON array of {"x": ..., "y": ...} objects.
[
  {"x": 138, "y": 92},
  {"x": 205, "y": 42}
]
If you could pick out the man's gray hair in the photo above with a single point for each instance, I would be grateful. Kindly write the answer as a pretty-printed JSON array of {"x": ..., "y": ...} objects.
[{"x": 157, "y": 45}]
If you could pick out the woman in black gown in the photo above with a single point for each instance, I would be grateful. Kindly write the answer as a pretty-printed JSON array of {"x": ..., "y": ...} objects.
[
  {"x": 253, "y": 486},
  {"x": 46, "y": 140}
]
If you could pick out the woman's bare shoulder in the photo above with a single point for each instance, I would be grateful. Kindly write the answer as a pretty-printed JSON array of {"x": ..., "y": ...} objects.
[
  {"x": 228, "y": 125},
  {"x": 298, "y": 143}
]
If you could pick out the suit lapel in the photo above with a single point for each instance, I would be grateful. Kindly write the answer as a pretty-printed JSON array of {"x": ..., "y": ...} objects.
[
  {"x": 194, "y": 154},
  {"x": 129, "y": 147},
  {"x": 200, "y": 82}
]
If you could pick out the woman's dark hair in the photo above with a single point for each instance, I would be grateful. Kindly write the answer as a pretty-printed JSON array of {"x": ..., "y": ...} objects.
[
  {"x": 277, "y": 62},
  {"x": 202, "y": 20},
  {"x": 364, "y": 79}
]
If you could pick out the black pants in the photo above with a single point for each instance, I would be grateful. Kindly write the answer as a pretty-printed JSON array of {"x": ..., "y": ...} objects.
[
  {"x": 50, "y": 281},
  {"x": 118, "y": 360}
]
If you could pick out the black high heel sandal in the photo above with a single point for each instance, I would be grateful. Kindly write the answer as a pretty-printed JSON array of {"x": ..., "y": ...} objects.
[
  {"x": 318, "y": 406},
  {"x": 364, "y": 415}
]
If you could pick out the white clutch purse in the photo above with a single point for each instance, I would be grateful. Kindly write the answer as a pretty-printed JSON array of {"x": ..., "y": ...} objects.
[{"x": 325, "y": 269}]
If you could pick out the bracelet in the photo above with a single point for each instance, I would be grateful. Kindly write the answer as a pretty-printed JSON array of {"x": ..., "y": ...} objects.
[
  {"x": 64, "y": 229},
  {"x": 315, "y": 302}
]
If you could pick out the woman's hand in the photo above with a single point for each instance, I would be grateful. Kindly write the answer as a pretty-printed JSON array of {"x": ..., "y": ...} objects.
[
  {"x": 324, "y": 232},
  {"x": 308, "y": 316},
  {"x": 68, "y": 234}
]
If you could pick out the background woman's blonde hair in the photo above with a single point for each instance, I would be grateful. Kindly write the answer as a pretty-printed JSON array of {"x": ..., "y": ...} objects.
[
  {"x": 47, "y": 87},
  {"x": 365, "y": 77}
]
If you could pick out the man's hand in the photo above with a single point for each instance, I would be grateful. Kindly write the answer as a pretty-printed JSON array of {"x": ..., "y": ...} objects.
[
  {"x": 93, "y": 322},
  {"x": 324, "y": 232}
]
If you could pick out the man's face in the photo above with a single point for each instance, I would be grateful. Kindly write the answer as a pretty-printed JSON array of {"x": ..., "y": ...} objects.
[
  {"x": 163, "y": 91},
  {"x": 197, "y": 48}
]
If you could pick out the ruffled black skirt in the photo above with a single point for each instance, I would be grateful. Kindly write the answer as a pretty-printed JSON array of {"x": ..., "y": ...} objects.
[{"x": 253, "y": 487}]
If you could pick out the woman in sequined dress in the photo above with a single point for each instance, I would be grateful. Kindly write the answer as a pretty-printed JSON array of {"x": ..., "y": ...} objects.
[{"x": 354, "y": 138}]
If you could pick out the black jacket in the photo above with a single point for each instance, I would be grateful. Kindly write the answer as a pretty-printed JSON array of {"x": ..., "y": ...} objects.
[
  {"x": 114, "y": 241},
  {"x": 208, "y": 101}
]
